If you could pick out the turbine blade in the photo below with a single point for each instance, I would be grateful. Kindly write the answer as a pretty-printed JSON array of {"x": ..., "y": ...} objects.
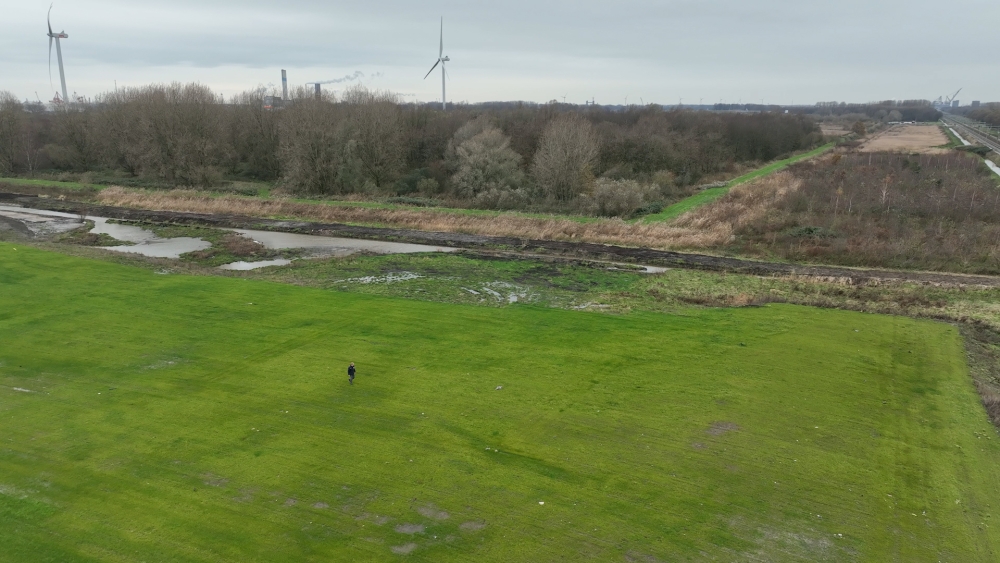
[
  {"x": 446, "y": 73},
  {"x": 432, "y": 69},
  {"x": 441, "y": 50},
  {"x": 48, "y": 19},
  {"x": 50, "y": 61}
]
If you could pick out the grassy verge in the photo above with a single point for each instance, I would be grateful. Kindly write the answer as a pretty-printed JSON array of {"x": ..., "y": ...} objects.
[
  {"x": 710, "y": 195},
  {"x": 953, "y": 141},
  {"x": 38, "y": 183},
  {"x": 217, "y": 426}
]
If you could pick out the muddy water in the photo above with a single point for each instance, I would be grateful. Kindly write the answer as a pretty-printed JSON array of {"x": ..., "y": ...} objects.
[
  {"x": 148, "y": 244},
  {"x": 143, "y": 242},
  {"x": 243, "y": 266},
  {"x": 331, "y": 246}
]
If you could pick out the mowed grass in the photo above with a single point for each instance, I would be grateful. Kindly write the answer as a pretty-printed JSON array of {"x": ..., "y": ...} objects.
[{"x": 149, "y": 417}]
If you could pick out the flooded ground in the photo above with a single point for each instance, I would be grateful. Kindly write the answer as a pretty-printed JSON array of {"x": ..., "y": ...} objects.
[
  {"x": 332, "y": 246},
  {"x": 38, "y": 222},
  {"x": 41, "y": 222},
  {"x": 145, "y": 242},
  {"x": 243, "y": 266}
]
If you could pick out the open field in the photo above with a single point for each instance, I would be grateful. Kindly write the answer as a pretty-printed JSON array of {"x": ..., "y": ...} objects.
[
  {"x": 922, "y": 139},
  {"x": 833, "y": 129},
  {"x": 216, "y": 425}
]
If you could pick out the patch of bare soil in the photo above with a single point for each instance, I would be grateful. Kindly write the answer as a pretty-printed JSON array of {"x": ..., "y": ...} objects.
[
  {"x": 431, "y": 511},
  {"x": 923, "y": 139},
  {"x": 404, "y": 549},
  {"x": 410, "y": 528},
  {"x": 214, "y": 480},
  {"x": 721, "y": 427}
]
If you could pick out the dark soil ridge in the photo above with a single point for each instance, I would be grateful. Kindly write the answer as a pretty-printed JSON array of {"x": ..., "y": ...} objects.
[{"x": 512, "y": 245}]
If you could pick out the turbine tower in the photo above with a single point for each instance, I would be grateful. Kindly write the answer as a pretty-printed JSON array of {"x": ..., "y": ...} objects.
[
  {"x": 57, "y": 37},
  {"x": 441, "y": 60}
]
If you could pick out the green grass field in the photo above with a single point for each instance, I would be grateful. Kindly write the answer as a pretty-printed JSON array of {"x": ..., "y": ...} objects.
[
  {"x": 50, "y": 184},
  {"x": 708, "y": 196},
  {"x": 148, "y": 417}
]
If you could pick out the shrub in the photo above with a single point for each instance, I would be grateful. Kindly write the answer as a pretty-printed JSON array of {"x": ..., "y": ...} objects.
[
  {"x": 617, "y": 198},
  {"x": 414, "y": 201},
  {"x": 486, "y": 163}
]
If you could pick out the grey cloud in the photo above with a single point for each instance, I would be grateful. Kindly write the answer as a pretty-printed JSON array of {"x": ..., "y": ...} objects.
[{"x": 780, "y": 49}]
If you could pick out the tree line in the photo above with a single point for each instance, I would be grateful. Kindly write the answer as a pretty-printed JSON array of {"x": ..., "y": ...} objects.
[
  {"x": 510, "y": 156},
  {"x": 888, "y": 110},
  {"x": 987, "y": 113}
]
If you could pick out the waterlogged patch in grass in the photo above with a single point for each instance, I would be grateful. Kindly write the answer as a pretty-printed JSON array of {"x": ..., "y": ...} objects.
[
  {"x": 775, "y": 433},
  {"x": 456, "y": 278},
  {"x": 227, "y": 246},
  {"x": 83, "y": 236}
]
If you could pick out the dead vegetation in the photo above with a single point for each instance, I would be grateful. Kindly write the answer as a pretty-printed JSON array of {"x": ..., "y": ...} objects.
[
  {"x": 922, "y": 212},
  {"x": 608, "y": 231}
]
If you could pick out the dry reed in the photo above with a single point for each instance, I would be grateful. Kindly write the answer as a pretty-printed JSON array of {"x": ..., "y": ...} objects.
[
  {"x": 607, "y": 231},
  {"x": 718, "y": 223}
]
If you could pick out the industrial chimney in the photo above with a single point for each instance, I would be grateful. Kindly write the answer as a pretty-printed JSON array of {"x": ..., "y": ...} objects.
[
  {"x": 284, "y": 85},
  {"x": 319, "y": 92}
]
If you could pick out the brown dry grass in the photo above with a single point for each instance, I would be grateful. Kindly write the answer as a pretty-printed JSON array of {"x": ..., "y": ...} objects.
[
  {"x": 991, "y": 402},
  {"x": 607, "y": 231},
  {"x": 908, "y": 138},
  {"x": 716, "y": 224}
]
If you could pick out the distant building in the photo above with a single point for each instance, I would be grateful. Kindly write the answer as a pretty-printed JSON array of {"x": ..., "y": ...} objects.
[
  {"x": 955, "y": 104},
  {"x": 975, "y": 103}
]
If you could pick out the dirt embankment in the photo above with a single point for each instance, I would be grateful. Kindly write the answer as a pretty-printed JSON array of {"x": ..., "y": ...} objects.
[{"x": 513, "y": 245}]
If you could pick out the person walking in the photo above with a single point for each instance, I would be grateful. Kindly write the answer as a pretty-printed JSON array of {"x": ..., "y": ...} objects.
[{"x": 350, "y": 373}]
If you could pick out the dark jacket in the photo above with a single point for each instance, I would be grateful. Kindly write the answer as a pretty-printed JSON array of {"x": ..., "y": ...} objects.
[{"x": 350, "y": 371}]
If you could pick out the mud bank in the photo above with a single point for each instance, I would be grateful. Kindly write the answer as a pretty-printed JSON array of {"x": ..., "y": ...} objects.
[{"x": 513, "y": 246}]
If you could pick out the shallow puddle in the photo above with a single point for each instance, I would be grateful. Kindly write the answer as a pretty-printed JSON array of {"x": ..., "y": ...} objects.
[
  {"x": 332, "y": 246},
  {"x": 148, "y": 244},
  {"x": 243, "y": 266}
]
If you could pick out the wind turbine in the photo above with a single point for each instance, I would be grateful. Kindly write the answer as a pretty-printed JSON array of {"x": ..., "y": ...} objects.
[
  {"x": 441, "y": 60},
  {"x": 57, "y": 37}
]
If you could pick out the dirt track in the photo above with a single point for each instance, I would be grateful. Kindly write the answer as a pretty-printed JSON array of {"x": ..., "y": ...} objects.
[{"x": 515, "y": 246}]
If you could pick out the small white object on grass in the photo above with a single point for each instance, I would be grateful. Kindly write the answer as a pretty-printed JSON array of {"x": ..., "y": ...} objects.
[
  {"x": 499, "y": 387},
  {"x": 541, "y": 502}
]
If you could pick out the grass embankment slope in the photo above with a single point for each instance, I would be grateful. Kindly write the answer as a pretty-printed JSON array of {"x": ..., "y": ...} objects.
[
  {"x": 174, "y": 418},
  {"x": 712, "y": 194}
]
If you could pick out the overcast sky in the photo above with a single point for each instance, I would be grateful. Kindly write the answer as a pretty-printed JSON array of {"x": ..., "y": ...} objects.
[{"x": 778, "y": 51}]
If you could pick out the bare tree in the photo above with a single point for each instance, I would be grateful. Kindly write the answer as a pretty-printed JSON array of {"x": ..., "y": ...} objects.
[
  {"x": 622, "y": 198},
  {"x": 11, "y": 125},
  {"x": 376, "y": 129},
  {"x": 567, "y": 152},
  {"x": 255, "y": 136},
  {"x": 315, "y": 148}
]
